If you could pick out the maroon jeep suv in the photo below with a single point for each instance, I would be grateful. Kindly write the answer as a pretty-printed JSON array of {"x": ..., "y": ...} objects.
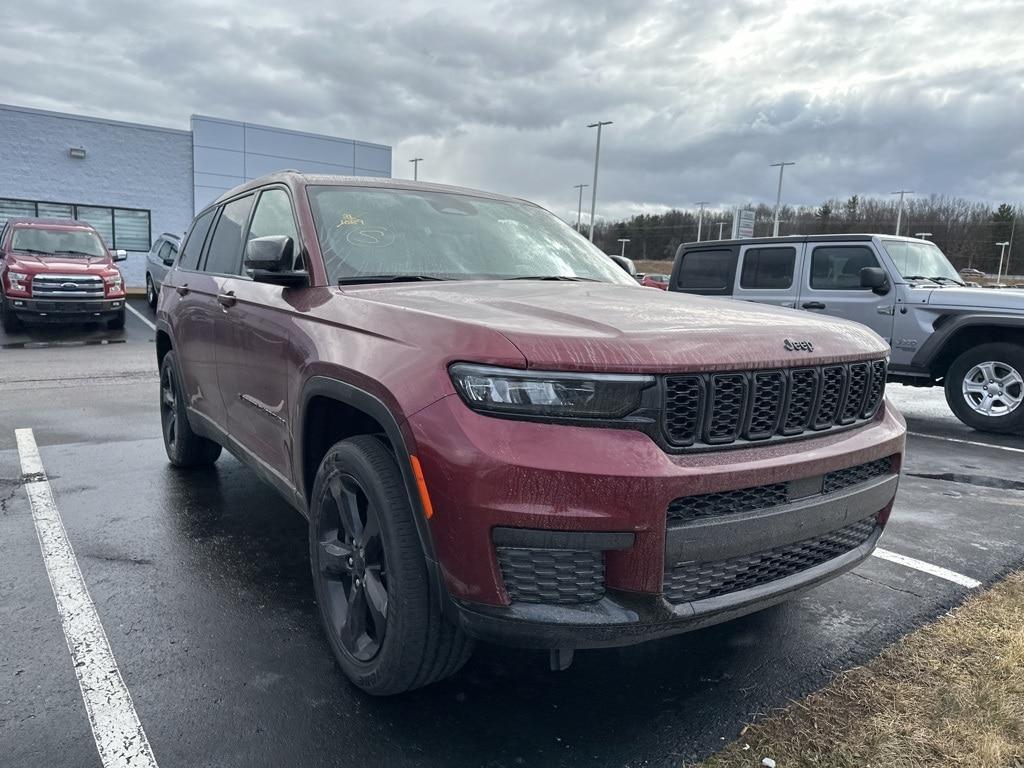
[
  {"x": 58, "y": 270},
  {"x": 496, "y": 434}
]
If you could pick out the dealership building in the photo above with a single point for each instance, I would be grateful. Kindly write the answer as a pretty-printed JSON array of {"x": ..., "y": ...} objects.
[{"x": 132, "y": 182}]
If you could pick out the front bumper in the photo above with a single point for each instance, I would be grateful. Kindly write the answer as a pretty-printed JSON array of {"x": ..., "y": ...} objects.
[
  {"x": 51, "y": 310},
  {"x": 590, "y": 488}
]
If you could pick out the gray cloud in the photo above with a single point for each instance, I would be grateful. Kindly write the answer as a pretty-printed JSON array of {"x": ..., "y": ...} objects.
[{"x": 866, "y": 96}]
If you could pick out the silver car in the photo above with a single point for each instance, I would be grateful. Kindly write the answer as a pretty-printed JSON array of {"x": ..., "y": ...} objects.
[{"x": 159, "y": 259}]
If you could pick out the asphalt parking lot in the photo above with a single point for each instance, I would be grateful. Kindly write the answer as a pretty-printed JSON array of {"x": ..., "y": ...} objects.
[{"x": 201, "y": 582}]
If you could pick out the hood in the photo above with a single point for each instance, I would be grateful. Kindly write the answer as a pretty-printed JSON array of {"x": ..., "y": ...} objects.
[
  {"x": 33, "y": 264},
  {"x": 605, "y": 327},
  {"x": 978, "y": 298}
]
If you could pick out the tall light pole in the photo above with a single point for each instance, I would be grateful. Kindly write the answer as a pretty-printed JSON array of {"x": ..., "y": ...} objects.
[
  {"x": 720, "y": 225},
  {"x": 597, "y": 159},
  {"x": 623, "y": 240},
  {"x": 416, "y": 168},
  {"x": 778, "y": 197},
  {"x": 899, "y": 212},
  {"x": 1002, "y": 254},
  {"x": 700, "y": 217},
  {"x": 579, "y": 210}
]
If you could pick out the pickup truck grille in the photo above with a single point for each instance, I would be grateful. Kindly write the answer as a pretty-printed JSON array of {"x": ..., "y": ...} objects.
[
  {"x": 75, "y": 287},
  {"x": 713, "y": 409}
]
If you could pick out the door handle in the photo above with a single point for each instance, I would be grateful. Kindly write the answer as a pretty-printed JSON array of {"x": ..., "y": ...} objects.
[
  {"x": 227, "y": 299},
  {"x": 812, "y": 305},
  {"x": 182, "y": 290}
]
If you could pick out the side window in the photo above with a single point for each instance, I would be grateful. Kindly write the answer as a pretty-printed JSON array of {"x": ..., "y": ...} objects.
[
  {"x": 837, "y": 267},
  {"x": 707, "y": 271},
  {"x": 768, "y": 268},
  {"x": 165, "y": 251},
  {"x": 273, "y": 216},
  {"x": 196, "y": 238},
  {"x": 224, "y": 255}
]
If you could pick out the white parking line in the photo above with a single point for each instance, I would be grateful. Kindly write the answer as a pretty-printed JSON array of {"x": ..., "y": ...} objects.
[
  {"x": 139, "y": 315},
  {"x": 115, "y": 725},
  {"x": 967, "y": 442},
  {"x": 934, "y": 570}
]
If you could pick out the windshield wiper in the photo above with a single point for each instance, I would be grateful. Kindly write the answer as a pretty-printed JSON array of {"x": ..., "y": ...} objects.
[
  {"x": 568, "y": 278},
  {"x": 34, "y": 250},
  {"x": 920, "y": 277},
  {"x": 940, "y": 278},
  {"x": 80, "y": 253},
  {"x": 356, "y": 279}
]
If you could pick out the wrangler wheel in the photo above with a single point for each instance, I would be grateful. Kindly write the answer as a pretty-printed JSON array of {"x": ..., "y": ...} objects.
[{"x": 985, "y": 387}]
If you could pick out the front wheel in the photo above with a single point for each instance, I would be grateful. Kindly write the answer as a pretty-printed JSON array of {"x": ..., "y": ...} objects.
[
  {"x": 8, "y": 319},
  {"x": 985, "y": 387},
  {"x": 117, "y": 323},
  {"x": 370, "y": 575}
]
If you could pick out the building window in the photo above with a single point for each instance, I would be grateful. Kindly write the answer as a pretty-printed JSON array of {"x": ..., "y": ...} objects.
[{"x": 124, "y": 228}]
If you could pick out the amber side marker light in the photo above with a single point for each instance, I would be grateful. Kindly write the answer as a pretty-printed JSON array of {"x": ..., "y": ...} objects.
[{"x": 417, "y": 470}]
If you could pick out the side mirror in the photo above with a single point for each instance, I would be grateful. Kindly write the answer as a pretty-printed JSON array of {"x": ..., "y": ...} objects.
[
  {"x": 169, "y": 261},
  {"x": 626, "y": 264},
  {"x": 120, "y": 255},
  {"x": 874, "y": 278},
  {"x": 270, "y": 260}
]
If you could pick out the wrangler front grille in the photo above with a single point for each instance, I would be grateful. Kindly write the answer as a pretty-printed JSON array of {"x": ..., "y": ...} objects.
[
  {"x": 689, "y": 582},
  {"x": 714, "y": 409}
]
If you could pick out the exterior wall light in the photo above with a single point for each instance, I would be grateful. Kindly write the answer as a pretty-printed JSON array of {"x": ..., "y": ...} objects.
[{"x": 77, "y": 153}]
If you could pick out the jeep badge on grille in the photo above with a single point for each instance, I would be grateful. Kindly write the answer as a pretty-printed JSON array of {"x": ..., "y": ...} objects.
[{"x": 794, "y": 345}]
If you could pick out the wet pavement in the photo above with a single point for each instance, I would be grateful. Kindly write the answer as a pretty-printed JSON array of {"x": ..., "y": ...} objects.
[{"x": 201, "y": 580}]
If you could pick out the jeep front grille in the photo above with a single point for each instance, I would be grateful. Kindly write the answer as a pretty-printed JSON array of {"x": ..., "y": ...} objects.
[{"x": 713, "y": 409}]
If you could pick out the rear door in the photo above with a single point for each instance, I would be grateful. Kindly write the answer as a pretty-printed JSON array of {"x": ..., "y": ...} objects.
[
  {"x": 709, "y": 271},
  {"x": 769, "y": 274},
  {"x": 255, "y": 363},
  {"x": 831, "y": 285}
]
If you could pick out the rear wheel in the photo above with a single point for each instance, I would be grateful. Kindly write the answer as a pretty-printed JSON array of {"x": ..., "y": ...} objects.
[
  {"x": 184, "y": 447},
  {"x": 985, "y": 387},
  {"x": 151, "y": 292},
  {"x": 370, "y": 575}
]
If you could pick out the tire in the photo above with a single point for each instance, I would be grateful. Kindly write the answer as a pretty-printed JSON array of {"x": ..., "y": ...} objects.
[
  {"x": 184, "y": 447},
  {"x": 8, "y": 319},
  {"x": 992, "y": 376},
  {"x": 370, "y": 575},
  {"x": 151, "y": 292},
  {"x": 118, "y": 322}
]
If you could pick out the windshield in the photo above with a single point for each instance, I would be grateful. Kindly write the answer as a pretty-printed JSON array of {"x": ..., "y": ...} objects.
[
  {"x": 374, "y": 232},
  {"x": 80, "y": 243},
  {"x": 920, "y": 259}
]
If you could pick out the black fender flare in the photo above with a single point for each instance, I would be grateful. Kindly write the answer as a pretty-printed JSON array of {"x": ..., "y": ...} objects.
[
  {"x": 935, "y": 343},
  {"x": 324, "y": 386}
]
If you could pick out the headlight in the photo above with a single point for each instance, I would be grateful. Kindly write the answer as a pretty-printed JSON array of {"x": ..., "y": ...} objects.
[
  {"x": 18, "y": 281},
  {"x": 548, "y": 393},
  {"x": 115, "y": 283}
]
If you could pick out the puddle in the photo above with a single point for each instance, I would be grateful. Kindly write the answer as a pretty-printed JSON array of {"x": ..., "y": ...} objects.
[
  {"x": 48, "y": 344},
  {"x": 981, "y": 480}
]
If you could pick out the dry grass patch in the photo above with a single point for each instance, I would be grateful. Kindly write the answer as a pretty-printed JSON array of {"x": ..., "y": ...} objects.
[
  {"x": 654, "y": 267},
  {"x": 951, "y": 693}
]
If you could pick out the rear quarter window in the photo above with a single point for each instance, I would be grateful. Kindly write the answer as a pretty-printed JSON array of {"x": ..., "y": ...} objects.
[
  {"x": 709, "y": 271},
  {"x": 194, "y": 243}
]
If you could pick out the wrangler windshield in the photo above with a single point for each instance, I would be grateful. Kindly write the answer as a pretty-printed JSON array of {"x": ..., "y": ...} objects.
[
  {"x": 380, "y": 233},
  {"x": 920, "y": 259},
  {"x": 80, "y": 244}
]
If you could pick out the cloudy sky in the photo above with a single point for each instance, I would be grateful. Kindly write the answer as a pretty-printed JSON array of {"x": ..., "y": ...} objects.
[{"x": 867, "y": 97}]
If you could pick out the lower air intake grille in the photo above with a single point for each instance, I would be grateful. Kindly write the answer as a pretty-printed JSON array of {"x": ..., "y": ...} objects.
[
  {"x": 699, "y": 581},
  {"x": 844, "y": 478},
  {"x": 728, "y": 502},
  {"x": 554, "y": 576}
]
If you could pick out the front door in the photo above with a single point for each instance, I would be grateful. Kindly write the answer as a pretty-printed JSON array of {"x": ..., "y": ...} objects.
[{"x": 831, "y": 286}]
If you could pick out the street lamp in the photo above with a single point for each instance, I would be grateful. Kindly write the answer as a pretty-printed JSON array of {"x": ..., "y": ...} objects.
[
  {"x": 579, "y": 210},
  {"x": 416, "y": 168},
  {"x": 922, "y": 235},
  {"x": 778, "y": 197},
  {"x": 1002, "y": 254},
  {"x": 597, "y": 158},
  {"x": 700, "y": 217},
  {"x": 623, "y": 240},
  {"x": 899, "y": 213}
]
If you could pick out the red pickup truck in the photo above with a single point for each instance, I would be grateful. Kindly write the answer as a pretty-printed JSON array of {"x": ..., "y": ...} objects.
[{"x": 58, "y": 270}]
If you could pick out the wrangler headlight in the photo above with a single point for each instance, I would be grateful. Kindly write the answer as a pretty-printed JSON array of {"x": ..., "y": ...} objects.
[{"x": 548, "y": 393}]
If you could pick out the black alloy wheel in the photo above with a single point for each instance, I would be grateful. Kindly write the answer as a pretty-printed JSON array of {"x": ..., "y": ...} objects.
[{"x": 353, "y": 567}]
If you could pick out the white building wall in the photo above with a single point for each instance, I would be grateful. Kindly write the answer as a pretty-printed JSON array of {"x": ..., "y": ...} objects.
[
  {"x": 228, "y": 153},
  {"x": 125, "y": 165}
]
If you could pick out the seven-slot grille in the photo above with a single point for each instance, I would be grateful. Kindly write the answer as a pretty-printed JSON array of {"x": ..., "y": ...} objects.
[
  {"x": 721, "y": 408},
  {"x": 75, "y": 287}
]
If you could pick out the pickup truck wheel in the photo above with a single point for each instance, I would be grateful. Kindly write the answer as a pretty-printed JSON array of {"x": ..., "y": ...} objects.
[
  {"x": 184, "y": 447},
  {"x": 985, "y": 387},
  {"x": 370, "y": 575},
  {"x": 118, "y": 322},
  {"x": 8, "y": 319},
  {"x": 151, "y": 294}
]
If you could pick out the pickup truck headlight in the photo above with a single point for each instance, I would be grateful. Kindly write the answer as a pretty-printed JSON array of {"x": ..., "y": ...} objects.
[
  {"x": 18, "y": 281},
  {"x": 548, "y": 393},
  {"x": 115, "y": 285}
]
